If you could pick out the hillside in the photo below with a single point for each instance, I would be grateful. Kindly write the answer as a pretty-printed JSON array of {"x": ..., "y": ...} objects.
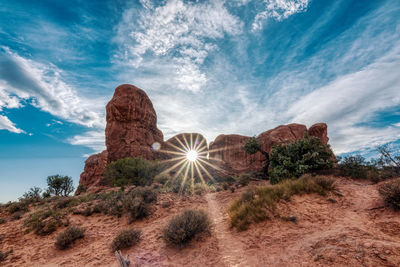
[{"x": 350, "y": 226}]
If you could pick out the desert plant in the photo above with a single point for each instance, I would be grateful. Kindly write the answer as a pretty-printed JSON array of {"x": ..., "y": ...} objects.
[
  {"x": 17, "y": 207},
  {"x": 17, "y": 215},
  {"x": 180, "y": 185},
  {"x": 299, "y": 157},
  {"x": 259, "y": 203},
  {"x": 162, "y": 178},
  {"x": 44, "y": 222},
  {"x": 60, "y": 185},
  {"x": 33, "y": 195},
  {"x": 136, "y": 208},
  {"x": 354, "y": 166},
  {"x": 244, "y": 179},
  {"x": 131, "y": 171},
  {"x": 4, "y": 255},
  {"x": 390, "y": 192},
  {"x": 66, "y": 238},
  {"x": 2, "y": 220},
  {"x": 185, "y": 226},
  {"x": 126, "y": 239}
]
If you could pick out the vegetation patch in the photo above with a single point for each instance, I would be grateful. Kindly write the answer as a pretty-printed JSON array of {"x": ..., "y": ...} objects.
[
  {"x": 390, "y": 192},
  {"x": 4, "y": 255},
  {"x": 299, "y": 157},
  {"x": 185, "y": 226},
  {"x": 131, "y": 171},
  {"x": 67, "y": 238},
  {"x": 126, "y": 239},
  {"x": 259, "y": 203},
  {"x": 45, "y": 221}
]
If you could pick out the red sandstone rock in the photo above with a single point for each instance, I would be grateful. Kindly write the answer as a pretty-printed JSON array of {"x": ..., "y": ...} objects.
[
  {"x": 227, "y": 150},
  {"x": 227, "y": 153},
  {"x": 131, "y": 124},
  {"x": 320, "y": 130},
  {"x": 92, "y": 174}
]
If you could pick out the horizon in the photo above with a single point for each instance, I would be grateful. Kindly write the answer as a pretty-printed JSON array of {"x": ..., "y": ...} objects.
[{"x": 209, "y": 67}]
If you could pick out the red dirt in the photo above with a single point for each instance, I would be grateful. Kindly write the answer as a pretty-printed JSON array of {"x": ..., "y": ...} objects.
[{"x": 352, "y": 229}]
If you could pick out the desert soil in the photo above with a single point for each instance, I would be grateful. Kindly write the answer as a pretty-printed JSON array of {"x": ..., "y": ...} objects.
[{"x": 349, "y": 228}]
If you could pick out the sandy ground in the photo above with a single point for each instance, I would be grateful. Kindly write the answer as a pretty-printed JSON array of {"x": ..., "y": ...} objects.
[{"x": 352, "y": 229}]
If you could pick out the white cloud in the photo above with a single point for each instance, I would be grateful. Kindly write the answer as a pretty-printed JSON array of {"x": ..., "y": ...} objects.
[
  {"x": 24, "y": 80},
  {"x": 92, "y": 139},
  {"x": 178, "y": 34},
  {"x": 278, "y": 9},
  {"x": 6, "y": 124}
]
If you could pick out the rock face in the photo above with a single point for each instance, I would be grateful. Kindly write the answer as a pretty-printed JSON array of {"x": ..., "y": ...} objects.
[
  {"x": 131, "y": 124},
  {"x": 92, "y": 174},
  {"x": 132, "y": 131},
  {"x": 227, "y": 150}
]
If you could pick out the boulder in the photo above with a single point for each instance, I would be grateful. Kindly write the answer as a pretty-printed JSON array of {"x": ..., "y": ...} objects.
[
  {"x": 320, "y": 130},
  {"x": 92, "y": 174},
  {"x": 131, "y": 124}
]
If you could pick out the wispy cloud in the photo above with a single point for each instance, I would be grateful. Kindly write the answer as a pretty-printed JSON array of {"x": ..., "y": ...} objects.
[
  {"x": 178, "y": 35},
  {"x": 23, "y": 80},
  {"x": 279, "y": 10},
  {"x": 6, "y": 124}
]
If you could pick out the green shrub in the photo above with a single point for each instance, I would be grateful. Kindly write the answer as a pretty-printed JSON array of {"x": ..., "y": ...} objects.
[
  {"x": 136, "y": 208},
  {"x": 17, "y": 207},
  {"x": 131, "y": 171},
  {"x": 147, "y": 193},
  {"x": 44, "y": 222},
  {"x": 180, "y": 185},
  {"x": 244, "y": 179},
  {"x": 354, "y": 166},
  {"x": 299, "y": 157},
  {"x": 17, "y": 215},
  {"x": 66, "y": 238},
  {"x": 33, "y": 195},
  {"x": 60, "y": 185},
  {"x": 162, "y": 178},
  {"x": 201, "y": 188},
  {"x": 185, "y": 226},
  {"x": 259, "y": 203},
  {"x": 2, "y": 220},
  {"x": 390, "y": 192},
  {"x": 126, "y": 239}
]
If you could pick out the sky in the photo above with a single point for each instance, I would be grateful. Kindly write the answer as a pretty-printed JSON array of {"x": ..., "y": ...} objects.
[{"x": 213, "y": 67}]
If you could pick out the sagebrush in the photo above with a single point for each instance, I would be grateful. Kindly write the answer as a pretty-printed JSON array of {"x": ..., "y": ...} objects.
[
  {"x": 126, "y": 239},
  {"x": 67, "y": 238}
]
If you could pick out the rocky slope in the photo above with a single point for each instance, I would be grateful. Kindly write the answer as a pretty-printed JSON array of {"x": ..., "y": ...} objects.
[{"x": 350, "y": 228}]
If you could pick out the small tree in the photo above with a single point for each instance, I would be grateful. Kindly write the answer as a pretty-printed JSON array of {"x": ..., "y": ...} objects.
[
  {"x": 33, "y": 194},
  {"x": 60, "y": 185},
  {"x": 253, "y": 146},
  {"x": 389, "y": 157}
]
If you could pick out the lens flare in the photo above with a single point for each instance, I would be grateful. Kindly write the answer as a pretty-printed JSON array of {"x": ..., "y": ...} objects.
[{"x": 191, "y": 155}]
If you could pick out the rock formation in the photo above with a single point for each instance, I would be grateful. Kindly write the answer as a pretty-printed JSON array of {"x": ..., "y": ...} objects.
[
  {"x": 227, "y": 152},
  {"x": 92, "y": 174},
  {"x": 132, "y": 131},
  {"x": 131, "y": 124}
]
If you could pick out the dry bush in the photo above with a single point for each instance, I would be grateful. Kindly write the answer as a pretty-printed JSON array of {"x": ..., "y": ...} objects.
[
  {"x": 185, "y": 226},
  {"x": 2, "y": 220},
  {"x": 44, "y": 222},
  {"x": 126, "y": 239},
  {"x": 259, "y": 204},
  {"x": 66, "y": 238},
  {"x": 390, "y": 192}
]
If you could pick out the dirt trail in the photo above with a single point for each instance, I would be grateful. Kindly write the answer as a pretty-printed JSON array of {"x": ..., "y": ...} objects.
[{"x": 232, "y": 250}]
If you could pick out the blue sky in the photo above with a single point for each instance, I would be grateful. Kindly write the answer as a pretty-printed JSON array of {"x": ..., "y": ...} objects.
[{"x": 213, "y": 67}]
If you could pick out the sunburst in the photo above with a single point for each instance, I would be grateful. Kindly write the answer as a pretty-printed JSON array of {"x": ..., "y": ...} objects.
[{"x": 189, "y": 156}]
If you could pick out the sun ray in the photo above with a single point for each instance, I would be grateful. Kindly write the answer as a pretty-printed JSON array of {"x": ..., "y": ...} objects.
[
  {"x": 184, "y": 177},
  {"x": 206, "y": 171},
  {"x": 186, "y": 142},
  {"x": 172, "y": 152},
  {"x": 199, "y": 172},
  {"x": 184, "y": 149},
  {"x": 172, "y": 159},
  {"x": 174, "y": 166},
  {"x": 177, "y": 147}
]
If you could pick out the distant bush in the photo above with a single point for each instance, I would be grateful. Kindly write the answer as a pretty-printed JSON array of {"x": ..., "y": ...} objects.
[
  {"x": 258, "y": 204},
  {"x": 33, "y": 195},
  {"x": 390, "y": 192},
  {"x": 4, "y": 255},
  {"x": 180, "y": 185},
  {"x": 64, "y": 202},
  {"x": 244, "y": 179},
  {"x": 60, "y": 185},
  {"x": 299, "y": 157},
  {"x": 185, "y": 226},
  {"x": 17, "y": 207},
  {"x": 131, "y": 171},
  {"x": 202, "y": 188},
  {"x": 126, "y": 239},
  {"x": 66, "y": 238},
  {"x": 2, "y": 220},
  {"x": 17, "y": 215},
  {"x": 354, "y": 166},
  {"x": 44, "y": 222},
  {"x": 162, "y": 178}
]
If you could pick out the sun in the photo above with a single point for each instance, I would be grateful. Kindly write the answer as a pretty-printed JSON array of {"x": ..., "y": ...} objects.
[{"x": 191, "y": 155}]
